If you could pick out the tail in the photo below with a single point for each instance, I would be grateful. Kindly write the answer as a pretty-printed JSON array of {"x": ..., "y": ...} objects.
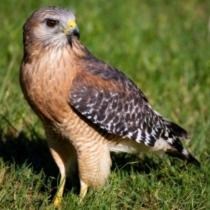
[
  {"x": 176, "y": 131},
  {"x": 175, "y": 135},
  {"x": 184, "y": 155}
]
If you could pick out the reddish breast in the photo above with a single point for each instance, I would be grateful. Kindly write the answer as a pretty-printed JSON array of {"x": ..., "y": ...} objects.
[{"x": 46, "y": 82}]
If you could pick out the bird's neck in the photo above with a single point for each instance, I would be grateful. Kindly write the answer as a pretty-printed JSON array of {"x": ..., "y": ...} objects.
[
  {"x": 33, "y": 51},
  {"x": 78, "y": 49}
]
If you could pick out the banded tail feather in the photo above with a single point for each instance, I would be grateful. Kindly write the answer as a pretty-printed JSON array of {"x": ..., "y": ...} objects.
[{"x": 178, "y": 134}]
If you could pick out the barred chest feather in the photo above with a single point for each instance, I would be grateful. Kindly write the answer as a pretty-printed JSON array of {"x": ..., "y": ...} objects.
[{"x": 45, "y": 85}]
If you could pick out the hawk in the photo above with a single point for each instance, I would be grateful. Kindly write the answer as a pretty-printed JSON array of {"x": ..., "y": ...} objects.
[{"x": 88, "y": 108}]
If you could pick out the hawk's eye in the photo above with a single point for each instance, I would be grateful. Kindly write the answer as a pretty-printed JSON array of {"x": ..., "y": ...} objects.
[{"x": 51, "y": 22}]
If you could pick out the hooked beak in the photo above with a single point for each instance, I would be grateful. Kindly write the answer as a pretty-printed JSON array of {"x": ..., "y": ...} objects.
[{"x": 71, "y": 29}]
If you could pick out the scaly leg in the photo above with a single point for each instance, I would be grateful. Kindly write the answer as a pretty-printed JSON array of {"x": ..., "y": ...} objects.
[
  {"x": 64, "y": 156},
  {"x": 62, "y": 168},
  {"x": 83, "y": 189},
  {"x": 59, "y": 194}
]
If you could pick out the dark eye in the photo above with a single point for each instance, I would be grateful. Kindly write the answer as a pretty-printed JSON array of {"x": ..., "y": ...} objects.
[{"x": 51, "y": 22}]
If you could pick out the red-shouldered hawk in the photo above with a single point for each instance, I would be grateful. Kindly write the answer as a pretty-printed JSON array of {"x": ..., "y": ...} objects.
[{"x": 87, "y": 107}]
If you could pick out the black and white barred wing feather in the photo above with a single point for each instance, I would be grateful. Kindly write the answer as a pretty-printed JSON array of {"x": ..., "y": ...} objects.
[{"x": 108, "y": 99}]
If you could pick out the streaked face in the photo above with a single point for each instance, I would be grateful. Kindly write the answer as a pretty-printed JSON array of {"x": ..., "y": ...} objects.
[{"x": 51, "y": 26}]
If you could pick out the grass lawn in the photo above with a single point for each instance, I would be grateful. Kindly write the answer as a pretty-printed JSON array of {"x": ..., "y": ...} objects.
[{"x": 164, "y": 46}]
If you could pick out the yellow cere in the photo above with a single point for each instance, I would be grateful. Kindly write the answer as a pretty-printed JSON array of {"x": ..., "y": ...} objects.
[{"x": 71, "y": 24}]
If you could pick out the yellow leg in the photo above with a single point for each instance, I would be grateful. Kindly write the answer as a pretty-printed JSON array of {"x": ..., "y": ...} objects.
[
  {"x": 83, "y": 189},
  {"x": 59, "y": 194},
  {"x": 62, "y": 169},
  {"x": 64, "y": 155}
]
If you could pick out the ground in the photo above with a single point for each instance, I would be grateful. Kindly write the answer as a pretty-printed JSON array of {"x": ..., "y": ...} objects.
[{"x": 164, "y": 47}]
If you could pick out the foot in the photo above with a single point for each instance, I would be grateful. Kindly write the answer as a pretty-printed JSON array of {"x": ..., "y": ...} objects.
[
  {"x": 59, "y": 194},
  {"x": 57, "y": 201}
]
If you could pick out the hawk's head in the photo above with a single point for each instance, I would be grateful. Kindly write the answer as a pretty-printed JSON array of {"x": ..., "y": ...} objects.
[{"x": 51, "y": 26}]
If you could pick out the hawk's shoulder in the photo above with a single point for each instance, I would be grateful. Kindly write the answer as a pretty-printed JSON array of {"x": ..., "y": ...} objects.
[{"x": 108, "y": 99}]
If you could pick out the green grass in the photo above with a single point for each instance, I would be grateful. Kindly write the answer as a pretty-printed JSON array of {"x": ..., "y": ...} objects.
[{"x": 164, "y": 46}]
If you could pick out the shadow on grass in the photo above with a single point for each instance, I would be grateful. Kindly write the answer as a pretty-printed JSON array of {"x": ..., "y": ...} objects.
[
  {"x": 34, "y": 152},
  {"x": 20, "y": 150},
  {"x": 131, "y": 163}
]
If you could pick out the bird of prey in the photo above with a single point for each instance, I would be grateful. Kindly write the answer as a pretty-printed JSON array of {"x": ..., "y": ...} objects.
[{"x": 88, "y": 108}]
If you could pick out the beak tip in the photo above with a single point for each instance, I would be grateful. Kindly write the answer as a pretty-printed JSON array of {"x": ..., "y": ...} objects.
[{"x": 75, "y": 32}]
